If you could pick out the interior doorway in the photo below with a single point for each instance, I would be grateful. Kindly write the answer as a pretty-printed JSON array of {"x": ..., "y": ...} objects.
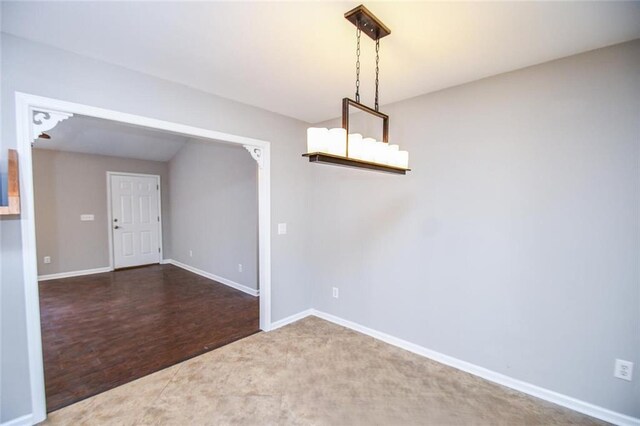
[
  {"x": 35, "y": 115},
  {"x": 135, "y": 222}
]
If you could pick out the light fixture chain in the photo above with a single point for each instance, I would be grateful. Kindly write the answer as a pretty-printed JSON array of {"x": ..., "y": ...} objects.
[
  {"x": 358, "y": 62},
  {"x": 377, "y": 71}
]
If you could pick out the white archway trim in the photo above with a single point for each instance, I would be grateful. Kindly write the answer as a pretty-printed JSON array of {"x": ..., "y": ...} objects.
[{"x": 27, "y": 107}]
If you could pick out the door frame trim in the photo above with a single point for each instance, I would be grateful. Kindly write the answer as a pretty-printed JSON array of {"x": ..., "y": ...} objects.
[
  {"x": 112, "y": 257},
  {"x": 25, "y": 105}
]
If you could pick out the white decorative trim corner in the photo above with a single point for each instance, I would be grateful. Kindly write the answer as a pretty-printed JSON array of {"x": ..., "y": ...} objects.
[
  {"x": 492, "y": 376},
  {"x": 74, "y": 273},
  {"x": 43, "y": 120},
  {"x": 221, "y": 280},
  {"x": 26, "y": 420},
  {"x": 256, "y": 153}
]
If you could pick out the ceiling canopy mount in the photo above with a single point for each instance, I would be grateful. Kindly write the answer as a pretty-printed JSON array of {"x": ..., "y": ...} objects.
[{"x": 367, "y": 22}]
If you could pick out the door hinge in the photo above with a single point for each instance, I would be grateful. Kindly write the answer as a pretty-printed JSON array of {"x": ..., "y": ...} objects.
[
  {"x": 157, "y": 187},
  {"x": 158, "y": 218},
  {"x": 158, "y": 249}
]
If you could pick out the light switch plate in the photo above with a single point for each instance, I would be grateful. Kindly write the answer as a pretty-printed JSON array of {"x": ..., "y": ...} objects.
[
  {"x": 282, "y": 228},
  {"x": 87, "y": 217}
]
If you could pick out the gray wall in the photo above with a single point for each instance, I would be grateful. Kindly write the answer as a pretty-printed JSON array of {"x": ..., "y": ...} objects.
[
  {"x": 214, "y": 210},
  {"x": 78, "y": 79},
  {"x": 68, "y": 184},
  {"x": 513, "y": 244}
]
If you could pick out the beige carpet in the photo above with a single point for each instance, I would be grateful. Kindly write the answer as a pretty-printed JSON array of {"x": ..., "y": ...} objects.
[{"x": 313, "y": 372}]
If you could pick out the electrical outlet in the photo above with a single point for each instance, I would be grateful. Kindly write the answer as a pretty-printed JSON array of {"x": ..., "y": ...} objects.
[
  {"x": 335, "y": 292},
  {"x": 239, "y": 267},
  {"x": 282, "y": 228},
  {"x": 47, "y": 259},
  {"x": 190, "y": 253},
  {"x": 623, "y": 369}
]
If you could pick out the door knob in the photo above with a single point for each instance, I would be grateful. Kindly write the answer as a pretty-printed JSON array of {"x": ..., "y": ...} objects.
[{"x": 116, "y": 227}]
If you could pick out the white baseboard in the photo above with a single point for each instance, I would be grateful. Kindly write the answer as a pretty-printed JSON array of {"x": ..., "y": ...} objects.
[
  {"x": 533, "y": 390},
  {"x": 519, "y": 385},
  {"x": 26, "y": 420},
  {"x": 222, "y": 280},
  {"x": 291, "y": 319},
  {"x": 74, "y": 273}
]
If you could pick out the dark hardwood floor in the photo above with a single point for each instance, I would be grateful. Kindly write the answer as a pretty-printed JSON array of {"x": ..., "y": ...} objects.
[{"x": 101, "y": 331}]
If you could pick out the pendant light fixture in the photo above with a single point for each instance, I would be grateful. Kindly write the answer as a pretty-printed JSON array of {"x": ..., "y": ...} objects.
[{"x": 338, "y": 146}]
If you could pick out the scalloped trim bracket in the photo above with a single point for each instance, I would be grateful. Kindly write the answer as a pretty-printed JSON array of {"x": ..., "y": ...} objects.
[
  {"x": 43, "y": 120},
  {"x": 256, "y": 153}
]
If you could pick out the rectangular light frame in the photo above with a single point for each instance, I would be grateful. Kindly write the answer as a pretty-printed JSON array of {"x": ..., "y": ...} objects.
[{"x": 337, "y": 160}]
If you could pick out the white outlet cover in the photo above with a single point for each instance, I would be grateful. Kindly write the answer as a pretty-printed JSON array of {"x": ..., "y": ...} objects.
[
  {"x": 282, "y": 228},
  {"x": 623, "y": 369},
  {"x": 239, "y": 267},
  {"x": 87, "y": 217},
  {"x": 336, "y": 292},
  {"x": 47, "y": 259}
]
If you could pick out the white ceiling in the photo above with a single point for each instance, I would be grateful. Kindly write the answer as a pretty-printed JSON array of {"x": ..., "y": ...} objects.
[
  {"x": 96, "y": 136},
  {"x": 297, "y": 58}
]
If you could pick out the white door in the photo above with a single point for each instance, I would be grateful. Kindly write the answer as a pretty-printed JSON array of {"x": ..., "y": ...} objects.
[{"x": 135, "y": 219}]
